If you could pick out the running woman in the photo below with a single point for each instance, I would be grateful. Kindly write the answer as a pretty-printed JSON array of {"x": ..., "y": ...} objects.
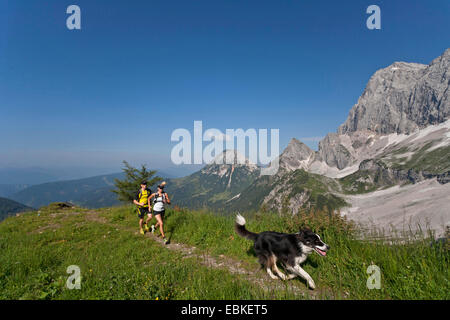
[
  {"x": 143, "y": 206},
  {"x": 160, "y": 198}
]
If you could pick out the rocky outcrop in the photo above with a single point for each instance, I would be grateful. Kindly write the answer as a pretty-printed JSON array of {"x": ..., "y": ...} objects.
[
  {"x": 383, "y": 175},
  {"x": 345, "y": 150},
  {"x": 279, "y": 198},
  {"x": 297, "y": 155},
  {"x": 402, "y": 98},
  {"x": 333, "y": 152},
  {"x": 226, "y": 162}
]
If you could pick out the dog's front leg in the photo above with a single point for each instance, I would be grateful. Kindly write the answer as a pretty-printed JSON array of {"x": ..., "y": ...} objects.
[
  {"x": 271, "y": 273},
  {"x": 302, "y": 273},
  {"x": 292, "y": 276},
  {"x": 279, "y": 273},
  {"x": 305, "y": 276}
]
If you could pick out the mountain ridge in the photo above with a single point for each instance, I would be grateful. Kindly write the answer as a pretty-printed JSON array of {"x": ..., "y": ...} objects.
[
  {"x": 90, "y": 192},
  {"x": 10, "y": 207},
  {"x": 362, "y": 135}
]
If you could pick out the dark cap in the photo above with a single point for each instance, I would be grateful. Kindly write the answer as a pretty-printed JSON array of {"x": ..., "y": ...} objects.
[{"x": 144, "y": 182}]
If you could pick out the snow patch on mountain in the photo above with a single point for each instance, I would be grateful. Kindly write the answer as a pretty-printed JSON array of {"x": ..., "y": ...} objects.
[{"x": 422, "y": 205}]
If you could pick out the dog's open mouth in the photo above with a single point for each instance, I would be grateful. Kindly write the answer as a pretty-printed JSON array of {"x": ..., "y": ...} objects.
[{"x": 322, "y": 253}]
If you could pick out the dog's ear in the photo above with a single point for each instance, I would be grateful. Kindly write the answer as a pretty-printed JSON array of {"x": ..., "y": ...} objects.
[
  {"x": 305, "y": 233},
  {"x": 305, "y": 230}
]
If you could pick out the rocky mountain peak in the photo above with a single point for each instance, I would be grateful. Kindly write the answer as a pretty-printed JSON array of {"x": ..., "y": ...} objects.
[
  {"x": 228, "y": 160},
  {"x": 444, "y": 57},
  {"x": 402, "y": 98},
  {"x": 232, "y": 157},
  {"x": 297, "y": 155}
]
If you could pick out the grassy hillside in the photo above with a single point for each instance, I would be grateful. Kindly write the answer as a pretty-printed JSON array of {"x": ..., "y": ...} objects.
[
  {"x": 387, "y": 173},
  {"x": 319, "y": 189},
  {"x": 365, "y": 181},
  {"x": 252, "y": 197},
  {"x": 316, "y": 191},
  {"x": 436, "y": 161},
  {"x": 205, "y": 260},
  {"x": 206, "y": 188},
  {"x": 9, "y": 207}
]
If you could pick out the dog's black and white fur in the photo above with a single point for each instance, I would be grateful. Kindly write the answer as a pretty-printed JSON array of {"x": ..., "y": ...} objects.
[{"x": 290, "y": 249}]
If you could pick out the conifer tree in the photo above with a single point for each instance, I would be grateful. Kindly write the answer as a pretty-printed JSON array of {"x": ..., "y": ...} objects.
[{"x": 127, "y": 189}]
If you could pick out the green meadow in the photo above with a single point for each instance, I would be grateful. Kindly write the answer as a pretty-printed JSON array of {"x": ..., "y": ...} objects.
[{"x": 205, "y": 258}]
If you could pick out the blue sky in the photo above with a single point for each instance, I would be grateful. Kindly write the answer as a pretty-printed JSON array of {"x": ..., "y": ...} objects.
[{"x": 137, "y": 70}]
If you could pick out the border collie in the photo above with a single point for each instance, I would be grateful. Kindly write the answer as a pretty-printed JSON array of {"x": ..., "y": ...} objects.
[{"x": 290, "y": 249}]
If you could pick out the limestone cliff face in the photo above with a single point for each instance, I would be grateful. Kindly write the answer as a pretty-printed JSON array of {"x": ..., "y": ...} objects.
[
  {"x": 402, "y": 98},
  {"x": 399, "y": 99}
]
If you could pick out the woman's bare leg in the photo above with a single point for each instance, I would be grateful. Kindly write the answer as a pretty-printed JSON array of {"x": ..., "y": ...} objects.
[{"x": 161, "y": 225}]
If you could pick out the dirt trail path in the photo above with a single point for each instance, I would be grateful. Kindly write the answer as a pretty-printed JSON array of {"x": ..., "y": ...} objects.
[{"x": 233, "y": 266}]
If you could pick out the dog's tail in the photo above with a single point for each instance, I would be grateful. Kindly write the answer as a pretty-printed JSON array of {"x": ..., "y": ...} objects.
[{"x": 240, "y": 229}]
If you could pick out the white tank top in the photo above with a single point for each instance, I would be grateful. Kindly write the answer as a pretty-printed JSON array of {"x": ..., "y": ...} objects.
[{"x": 159, "y": 204}]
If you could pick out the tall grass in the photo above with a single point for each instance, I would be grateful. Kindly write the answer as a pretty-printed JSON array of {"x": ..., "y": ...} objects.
[
  {"x": 410, "y": 269},
  {"x": 115, "y": 264}
]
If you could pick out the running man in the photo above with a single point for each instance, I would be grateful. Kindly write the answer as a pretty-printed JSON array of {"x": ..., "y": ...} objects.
[
  {"x": 143, "y": 206},
  {"x": 160, "y": 198}
]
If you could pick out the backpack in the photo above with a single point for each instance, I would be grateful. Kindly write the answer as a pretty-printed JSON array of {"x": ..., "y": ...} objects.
[{"x": 155, "y": 199}]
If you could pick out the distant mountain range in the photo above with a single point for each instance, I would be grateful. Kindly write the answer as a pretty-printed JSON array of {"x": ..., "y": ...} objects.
[
  {"x": 8, "y": 189},
  {"x": 9, "y": 208},
  {"x": 91, "y": 192},
  {"x": 15, "y": 179}
]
